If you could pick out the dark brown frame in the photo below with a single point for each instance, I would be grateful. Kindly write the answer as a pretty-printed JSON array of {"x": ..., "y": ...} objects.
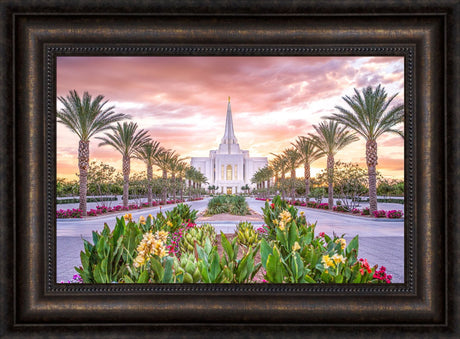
[{"x": 33, "y": 34}]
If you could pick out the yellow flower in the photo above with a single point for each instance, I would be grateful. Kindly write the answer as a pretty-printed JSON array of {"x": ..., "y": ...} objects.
[
  {"x": 343, "y": 243},
  {"x": 139, "y": 261},
  {"x": 302, "y": 213},
  {"x": 295, "y": 247},
  {"x": 162, "y": 235},
  {"x": 141, "y": 220},
  {"x": 150, "y": 216},
  {"x": 275, "y": 221},
  {"x": 327, "y": 261},
  {"x": 338, "y": 259},
  {"x": 285, "y": 216},
  {"x": 169, "y": 223},
  {"x": 268, "y": 200},
  {"x": 128, "y": 217},
  {"x": 281, "y": 225}
]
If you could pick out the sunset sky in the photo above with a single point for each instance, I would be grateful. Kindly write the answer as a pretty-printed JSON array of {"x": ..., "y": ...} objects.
[{"x": 182, "y": 102}]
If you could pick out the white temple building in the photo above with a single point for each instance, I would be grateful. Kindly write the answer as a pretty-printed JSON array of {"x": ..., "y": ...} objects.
[{"x": 229, "y": 167}]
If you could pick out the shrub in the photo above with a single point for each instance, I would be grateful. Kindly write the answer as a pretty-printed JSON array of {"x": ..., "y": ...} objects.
[
  {"x": 323, "y": 206},
  {"x": 312, "y": 204},
  {"x": 355, "y": 211},
  {"x": 106, "y": 259},
  {"x": 295, "y": 255},
  {"x": 69, "y": 213},
  {"x": 172, "y": 220},
  {"x": 393, "y": 214},
  {"x": 380, "y": 214},
  {"x": 236, "y": 205},
  {"x": 340, "y": 208},
  {"x": 365, "y": 211}
]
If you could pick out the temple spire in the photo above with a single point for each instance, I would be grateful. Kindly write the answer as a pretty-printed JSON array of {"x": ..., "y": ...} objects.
[{"x": 229, "y": 136}]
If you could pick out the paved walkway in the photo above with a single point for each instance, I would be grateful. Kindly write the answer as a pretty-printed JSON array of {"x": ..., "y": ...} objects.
[{"x": 381, "y": 240}]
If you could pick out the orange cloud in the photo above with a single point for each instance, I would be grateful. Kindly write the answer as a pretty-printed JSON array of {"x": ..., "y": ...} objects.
[{"x": 181, "y": 101}]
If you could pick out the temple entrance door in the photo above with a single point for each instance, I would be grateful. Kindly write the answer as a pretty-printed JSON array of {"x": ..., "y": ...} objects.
[{"x": 229, "y": 190}]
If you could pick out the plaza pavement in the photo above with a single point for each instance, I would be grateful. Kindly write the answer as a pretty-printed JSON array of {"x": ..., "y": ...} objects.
[{"x": 381, "y": 241}]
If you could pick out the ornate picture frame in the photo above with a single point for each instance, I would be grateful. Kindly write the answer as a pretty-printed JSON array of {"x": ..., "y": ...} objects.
[{"x": 36, "y": 34}]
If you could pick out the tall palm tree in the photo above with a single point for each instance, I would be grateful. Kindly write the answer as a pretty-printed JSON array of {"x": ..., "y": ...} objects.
[
  {"x": 163, "y": 161},
  {"x": 174, "y": 165},
  {"x": 181, "y": 170},
  {"x": 370, "y": 116},
  {"x": 293, "y": 159},
  {"x": 86, "y": 117},
  {"x": 309, "y": 153},
  {"x": 330, "y": 138},
  {"x": 279, "y": 165},
  {"x": 126, "y": 140},
  {"x": 148, "y": 154}
]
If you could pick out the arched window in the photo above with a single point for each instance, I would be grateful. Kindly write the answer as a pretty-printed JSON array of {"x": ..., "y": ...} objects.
[{"x": 229, "y": 172}]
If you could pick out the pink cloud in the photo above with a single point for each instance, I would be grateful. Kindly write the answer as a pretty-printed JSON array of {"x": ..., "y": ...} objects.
[{"x": 182, "y": 101}]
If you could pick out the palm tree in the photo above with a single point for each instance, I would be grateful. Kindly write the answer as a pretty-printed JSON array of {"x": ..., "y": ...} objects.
[
  {"x": 330, "y": 138},
  {"x": 163, "y": 161},
  {"x": 309, "y": 152},
  {"x": 174, "y": 165},
  {"x": 279, "y": 165},
  {"x": 126, "y": 140},
  {"x": 86, "y": 117},
  {"x": 181, "y": 169},
  {"x": 370, "y": 117},
  {"x": 148, "y": 153},
  {"x": 293, "y": 159}
]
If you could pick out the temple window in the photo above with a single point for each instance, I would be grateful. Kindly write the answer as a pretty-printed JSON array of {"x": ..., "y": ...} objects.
[{"x": 229, "y": 172}]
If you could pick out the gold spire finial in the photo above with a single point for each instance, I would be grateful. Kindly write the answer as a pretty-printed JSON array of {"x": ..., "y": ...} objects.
[{"x": 229, "y": 98}]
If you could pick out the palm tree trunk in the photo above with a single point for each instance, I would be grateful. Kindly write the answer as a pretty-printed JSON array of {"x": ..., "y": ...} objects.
[
  {"x": 126, "y": 170},
  {"x": 268, "y": 189},
  {"x": 149, "y": 184},
  {"x": 293, "y": 183},
  {"x": 307, "y": 180},
  {"x": 83, "y": 163},
  {"x": 371, "y": 159},
  {"x": 330, "y": 179},
  {"x": 173, "y": 180},
  {"x": 181, "y": 190},
  {"x": 164, "y": 188}
]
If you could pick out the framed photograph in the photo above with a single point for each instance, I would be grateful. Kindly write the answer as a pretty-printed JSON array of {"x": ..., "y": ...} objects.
[
  {"x": 158, "y": 64},
  {"x": 288, "y": 141}
]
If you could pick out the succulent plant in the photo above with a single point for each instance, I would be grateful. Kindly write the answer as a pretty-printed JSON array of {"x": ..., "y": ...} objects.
[
  {"x": 187, "y": 270},
  {"x": 197, "y": 235},
  {"x": 246, "y": 234}
]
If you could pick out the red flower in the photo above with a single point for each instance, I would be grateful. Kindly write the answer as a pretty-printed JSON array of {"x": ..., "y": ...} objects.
[{"x": 272, "y": 206}]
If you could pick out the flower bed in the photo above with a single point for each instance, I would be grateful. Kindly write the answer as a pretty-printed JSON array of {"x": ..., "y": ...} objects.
[
  {"x": 173, "y": 249},
  {"x": 393, "y": 214},
  {"x": 69, "y": 213},
  {"x": 76, "y": 213}
]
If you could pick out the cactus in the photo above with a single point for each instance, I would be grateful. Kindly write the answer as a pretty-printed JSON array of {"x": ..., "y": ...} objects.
[{"x": 246, "y": 234}]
